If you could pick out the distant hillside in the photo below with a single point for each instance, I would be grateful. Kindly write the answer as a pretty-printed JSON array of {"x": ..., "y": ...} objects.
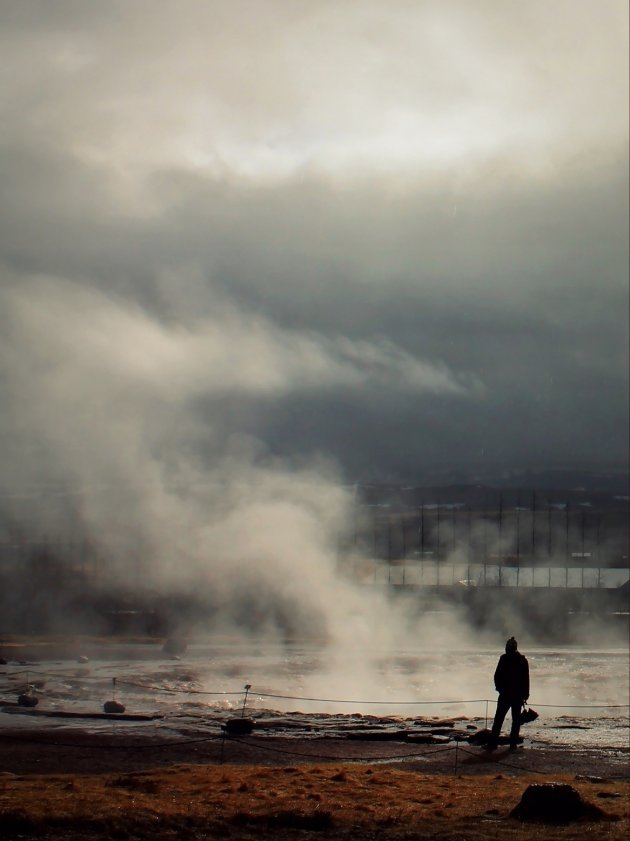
[{"x": 559, "y": 480}]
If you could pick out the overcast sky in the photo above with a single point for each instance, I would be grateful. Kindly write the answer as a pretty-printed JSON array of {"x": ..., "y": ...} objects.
[{"x": 392, "y": 236}]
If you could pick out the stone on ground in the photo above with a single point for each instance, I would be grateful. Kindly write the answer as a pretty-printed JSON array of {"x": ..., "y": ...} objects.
[{"x": 557, "y": 803}]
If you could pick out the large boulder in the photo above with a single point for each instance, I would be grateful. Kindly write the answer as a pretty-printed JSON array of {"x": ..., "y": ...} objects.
[{"x": 557, "y": 803}]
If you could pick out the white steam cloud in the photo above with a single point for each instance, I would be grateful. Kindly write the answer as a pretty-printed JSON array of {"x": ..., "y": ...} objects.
[
  {"x": 105, "y": 408},
  {"x": 94, "y": 342},
  {"x": 104, "y": 412}
]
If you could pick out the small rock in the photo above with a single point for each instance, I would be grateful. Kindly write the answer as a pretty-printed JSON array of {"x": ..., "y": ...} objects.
[
  {"x": 427, "y": 739},
  {"x": 378, "y": 735},
  {"x": 239, "y": 726},
  {"x": 113, "y": 707},
  {"x": 421, "y": 738},
  {"x": 480, "y": 737},
  {"x": 27, "y": 700},
  {"x": 83, "y": 659}
]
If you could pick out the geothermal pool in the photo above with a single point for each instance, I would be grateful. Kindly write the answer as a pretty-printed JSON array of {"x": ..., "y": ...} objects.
[{"x": 307, "y": 690}]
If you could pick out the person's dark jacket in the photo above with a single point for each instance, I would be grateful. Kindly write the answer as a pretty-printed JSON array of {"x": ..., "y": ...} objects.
[{"x": 511, "y": 677}]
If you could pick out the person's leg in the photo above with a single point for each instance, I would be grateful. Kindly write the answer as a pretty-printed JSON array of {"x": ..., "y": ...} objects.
[
  {"x": 503, "y": 705},
  {"x": 516, "y": 714}
]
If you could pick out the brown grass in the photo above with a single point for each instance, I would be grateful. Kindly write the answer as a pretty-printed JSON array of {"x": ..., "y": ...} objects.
[{"x": 331, "y": 800}]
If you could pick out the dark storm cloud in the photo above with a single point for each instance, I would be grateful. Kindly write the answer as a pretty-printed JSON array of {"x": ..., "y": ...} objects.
[{"x": 281, "y": 252}]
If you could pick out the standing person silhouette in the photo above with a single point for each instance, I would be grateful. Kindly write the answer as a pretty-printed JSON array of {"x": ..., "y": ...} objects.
[{"x": 511, "y": 680}]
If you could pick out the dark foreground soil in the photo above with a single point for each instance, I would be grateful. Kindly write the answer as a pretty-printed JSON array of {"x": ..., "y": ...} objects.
[
  {"x": 41, "y": 750},
  {"x": 69, "y": 784}
]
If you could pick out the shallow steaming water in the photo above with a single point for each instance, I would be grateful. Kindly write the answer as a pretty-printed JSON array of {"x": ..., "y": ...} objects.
[{"x": 306, "y": 690}]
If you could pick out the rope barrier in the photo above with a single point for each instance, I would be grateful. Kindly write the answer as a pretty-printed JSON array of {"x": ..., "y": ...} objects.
[
  {"x": 380, "y": 758},
  {"x": 250, "y": 743},
  {"x": 252, "y": 691},
  {"x": 225, "y": 737},
  {"x": 498, "y": 761},
  {"x": 364, "y": 702},
  {"x": 175, "y": 690},
  {"x": 457, "y": 748},
  {"x": 359, "y": 701},
  {"x": 97, "y": 746},
  {"x": 215, "y": 737}
]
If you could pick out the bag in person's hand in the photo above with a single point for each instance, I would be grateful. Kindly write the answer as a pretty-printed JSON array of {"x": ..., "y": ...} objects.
[{"x": 527, "y": 715}]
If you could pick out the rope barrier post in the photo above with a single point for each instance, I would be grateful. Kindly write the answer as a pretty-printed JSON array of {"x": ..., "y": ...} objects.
[
  {"x": 456, "y": 754},
  {"x": 486, "y": 713},
  {"x": 114, "y": 688},
  {"x": 248, "y": 686},
  {"x": 222, "y": 747}
]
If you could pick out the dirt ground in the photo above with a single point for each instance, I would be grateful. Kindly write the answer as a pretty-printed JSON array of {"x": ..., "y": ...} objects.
[
  {"x": 69, "y": 784},
  {"x": 256, "y": 787},
  {"x": 39, "y": 750}
]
